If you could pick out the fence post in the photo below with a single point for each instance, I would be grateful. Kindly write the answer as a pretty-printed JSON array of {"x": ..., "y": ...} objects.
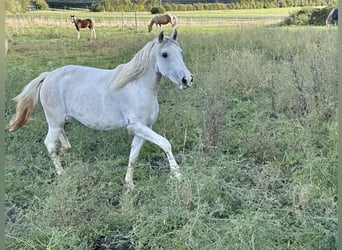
[
  {"x": 122, "y": 20},
  {"x": 136, "y": 20}
]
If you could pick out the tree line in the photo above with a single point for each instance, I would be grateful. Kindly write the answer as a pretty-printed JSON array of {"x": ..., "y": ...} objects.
[{"x": 161, "y": 6}]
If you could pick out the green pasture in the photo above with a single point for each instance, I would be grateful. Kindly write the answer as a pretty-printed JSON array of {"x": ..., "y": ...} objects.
[
  {"x": 255, "y": 138},
  {"x": 217, "y": 18},
  {"x": 65, "y": 13}
]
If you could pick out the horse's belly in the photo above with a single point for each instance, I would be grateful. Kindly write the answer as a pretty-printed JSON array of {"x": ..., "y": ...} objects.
[
  {"x": 94, "y": 117},
  {"x": 103, "y": 125}
]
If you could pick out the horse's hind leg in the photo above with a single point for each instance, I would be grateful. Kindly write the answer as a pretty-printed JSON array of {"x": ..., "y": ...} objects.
[
  {"x": 93, "y": 33},
  {"x": 51, "y": 143},
  {"x": 65, "y": 145}
]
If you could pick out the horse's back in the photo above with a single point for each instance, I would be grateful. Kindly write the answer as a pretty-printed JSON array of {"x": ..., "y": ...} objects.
[
  {"x": 72, "y": 79},
  {"x": 84, "y": 94},
  {"x": 72, "y": 84},
  {"x": 162, "y": 19},
  {"x": 76, "y": 73}
]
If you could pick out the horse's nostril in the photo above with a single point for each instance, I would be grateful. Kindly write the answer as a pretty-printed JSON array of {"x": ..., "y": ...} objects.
[
  {"x": 192, "y": 79},
  {"x": 184, "y": 81}
]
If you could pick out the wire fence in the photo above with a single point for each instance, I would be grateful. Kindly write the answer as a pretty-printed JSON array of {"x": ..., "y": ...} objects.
[{"x": 138, "y": 22}]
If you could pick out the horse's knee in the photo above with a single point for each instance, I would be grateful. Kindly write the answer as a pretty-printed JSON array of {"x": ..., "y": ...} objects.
[{"x": 165, "y": 145}]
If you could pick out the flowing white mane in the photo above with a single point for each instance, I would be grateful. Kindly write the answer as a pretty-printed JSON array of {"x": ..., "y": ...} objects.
[{"x": 129, "y": 71}]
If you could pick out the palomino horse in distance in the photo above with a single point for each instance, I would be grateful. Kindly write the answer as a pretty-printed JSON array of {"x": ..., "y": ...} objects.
[
  {"x": 332, "y": 17},
  {"x": 124, "y": 97},
  {"x": 81, "y": 24},
  {"x": 162, "y": 19}
]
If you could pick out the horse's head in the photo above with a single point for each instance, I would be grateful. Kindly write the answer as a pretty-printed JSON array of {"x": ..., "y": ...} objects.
[
  {"x": 73, "y": 19},
  {"x": 169, "y": 61}
]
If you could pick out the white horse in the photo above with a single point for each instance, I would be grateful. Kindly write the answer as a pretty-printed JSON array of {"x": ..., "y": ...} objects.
[{"x": 125, "y": 97}]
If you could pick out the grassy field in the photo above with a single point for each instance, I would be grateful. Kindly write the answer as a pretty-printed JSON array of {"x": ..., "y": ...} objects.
[
  {"x": 127, "y": 20},
  {"x": 255, "y": 138}
]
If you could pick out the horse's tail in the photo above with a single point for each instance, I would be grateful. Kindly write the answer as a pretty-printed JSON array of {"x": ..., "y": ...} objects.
[
  {"x": 173, "y": 20},
  {"x": 26, "y": 101}
]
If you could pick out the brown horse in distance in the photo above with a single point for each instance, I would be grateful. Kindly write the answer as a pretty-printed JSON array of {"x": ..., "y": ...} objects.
[
  {"x": 162, "y": 19},
  {"x": 86, "y": 23}
]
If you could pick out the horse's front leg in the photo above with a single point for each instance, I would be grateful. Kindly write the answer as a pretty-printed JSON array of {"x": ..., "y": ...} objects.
[
  {"x": 148, "y": 134},
  {"x": 137, "y": 143},
  {"x": 78, "y": 32}
]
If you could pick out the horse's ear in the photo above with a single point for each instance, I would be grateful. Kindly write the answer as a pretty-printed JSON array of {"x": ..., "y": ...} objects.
[
  {"x": 174, "y": 34},
  {"x": 161, "y": 36}
]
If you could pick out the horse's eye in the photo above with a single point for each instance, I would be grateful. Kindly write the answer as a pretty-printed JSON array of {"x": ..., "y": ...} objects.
[{"x": 164, "y": 54}]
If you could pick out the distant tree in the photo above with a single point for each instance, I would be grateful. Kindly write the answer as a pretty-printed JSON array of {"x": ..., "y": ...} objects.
[
  {"x": 16, "y": 6},
  {"x": 12, "y": 6},
  {"x": 24, "y": 4},
  {"x": 157, "y": 10},
  {"x": 41, "y": 4}
]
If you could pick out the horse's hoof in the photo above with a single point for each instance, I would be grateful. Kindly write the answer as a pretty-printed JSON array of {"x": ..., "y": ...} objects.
[
  {"x": 177, "y": 175},
  {"x": 130, "y": 186},
  {"x": 60, "y": 171}
]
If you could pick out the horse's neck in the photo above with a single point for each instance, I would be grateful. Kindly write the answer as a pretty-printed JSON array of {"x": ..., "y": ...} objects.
[
  {"x": 141, "y": 68},
  {"x": 152, "y": 22},
  {"x": 77, "y": 26},
  {"x": 149, "y": 77},
  {"x": 150, "y": 80}
]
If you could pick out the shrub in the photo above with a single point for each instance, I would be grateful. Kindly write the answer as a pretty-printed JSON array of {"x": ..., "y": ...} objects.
[
  {"x": 181, "y": 7},
  {"x": 158, "y": 10},
  {"x": 198, "y": 6},
  {"x": 174, "y": 7},
  {"x": 189, "y": 7},
  {"x": 96, "y": 7},
  {"x": 309, "y": 16},
  {"x": 318, "y": 16},
  {"x": 11, "y": 6},
  {"x": 41, "y": 4}
]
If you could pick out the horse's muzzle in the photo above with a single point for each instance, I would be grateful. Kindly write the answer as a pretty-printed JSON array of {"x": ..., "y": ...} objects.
[{"x": 186, "y": 82}]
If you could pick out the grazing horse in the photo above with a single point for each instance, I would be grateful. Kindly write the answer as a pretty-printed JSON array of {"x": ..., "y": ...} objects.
[
  {"x": 123, "y": 97},
  {"x": 162, "y": 19},
  {"x": 332, "y": 17},
  {"x": 86, "y": 23}
]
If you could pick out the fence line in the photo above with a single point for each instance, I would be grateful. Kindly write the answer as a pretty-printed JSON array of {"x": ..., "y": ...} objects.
[{"x": 139, "y": 22}]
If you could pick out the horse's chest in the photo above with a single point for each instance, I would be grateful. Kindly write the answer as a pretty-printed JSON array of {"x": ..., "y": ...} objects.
[{"x": 147, "y": 111}]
